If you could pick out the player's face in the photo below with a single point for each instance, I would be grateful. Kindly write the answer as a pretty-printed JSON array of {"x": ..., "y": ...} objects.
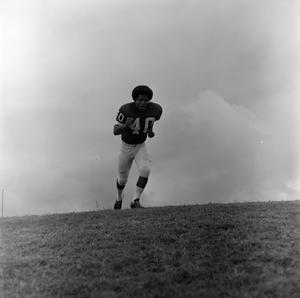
[{"x": 142, "y": 102}]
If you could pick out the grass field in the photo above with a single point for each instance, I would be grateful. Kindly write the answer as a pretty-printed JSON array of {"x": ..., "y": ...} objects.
[{"x": 214, "y": 250}]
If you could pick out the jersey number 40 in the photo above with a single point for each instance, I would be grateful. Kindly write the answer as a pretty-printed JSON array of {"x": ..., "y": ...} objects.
[{"x": 136, "y": 125}]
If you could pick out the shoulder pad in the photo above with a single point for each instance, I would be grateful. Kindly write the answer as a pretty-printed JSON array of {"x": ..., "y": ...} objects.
[
  {"x": 156, "y": 110},
  {"x": 124, "y": 112},
  {"x": 126, "y": 108}
]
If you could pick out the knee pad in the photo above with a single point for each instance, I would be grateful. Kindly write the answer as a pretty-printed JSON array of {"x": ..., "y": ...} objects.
[
  {"x": 121, "y": 184},
  {"x": 121, "y": 181}
]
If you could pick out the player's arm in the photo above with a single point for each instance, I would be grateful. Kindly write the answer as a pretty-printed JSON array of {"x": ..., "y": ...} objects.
[
  {"x": 157, "y": 116},
  {"x": 119, "y": 128}
]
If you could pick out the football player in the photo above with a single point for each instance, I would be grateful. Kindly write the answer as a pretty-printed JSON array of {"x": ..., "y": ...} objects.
[{"x": 135, "y": 123}]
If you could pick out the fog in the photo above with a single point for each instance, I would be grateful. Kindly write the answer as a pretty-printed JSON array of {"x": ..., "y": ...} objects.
[{"x": 227, "y": 76}]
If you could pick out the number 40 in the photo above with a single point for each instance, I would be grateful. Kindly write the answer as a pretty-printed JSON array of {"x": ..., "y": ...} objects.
[{"x": 135, "y": 126}]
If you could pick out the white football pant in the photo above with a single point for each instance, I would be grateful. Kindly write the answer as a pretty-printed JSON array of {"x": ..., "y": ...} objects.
[{"x": 128, "y": 153}]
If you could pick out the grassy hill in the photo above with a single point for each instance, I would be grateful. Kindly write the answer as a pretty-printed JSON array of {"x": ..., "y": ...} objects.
[{"x": 213, "y": 250}]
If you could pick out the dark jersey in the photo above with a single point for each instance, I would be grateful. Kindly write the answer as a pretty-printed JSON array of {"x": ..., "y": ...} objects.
[{"x": 136, "y": 133}]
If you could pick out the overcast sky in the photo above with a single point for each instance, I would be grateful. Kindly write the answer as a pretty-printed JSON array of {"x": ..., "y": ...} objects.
[{"x": 226, "y": 73}]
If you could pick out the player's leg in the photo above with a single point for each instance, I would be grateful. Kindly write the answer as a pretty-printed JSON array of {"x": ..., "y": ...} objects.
[
  {"x": 124, "y": 165},
  {"x": 142, "y": 160}
]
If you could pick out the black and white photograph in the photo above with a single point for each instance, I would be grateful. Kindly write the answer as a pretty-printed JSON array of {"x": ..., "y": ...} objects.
[{"x": 150, "y": 148}]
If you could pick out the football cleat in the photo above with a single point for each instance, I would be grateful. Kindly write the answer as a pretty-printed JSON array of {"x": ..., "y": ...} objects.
[
  {"x": 136, "y": 204},
  {"x": 118, "y": 205}
]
